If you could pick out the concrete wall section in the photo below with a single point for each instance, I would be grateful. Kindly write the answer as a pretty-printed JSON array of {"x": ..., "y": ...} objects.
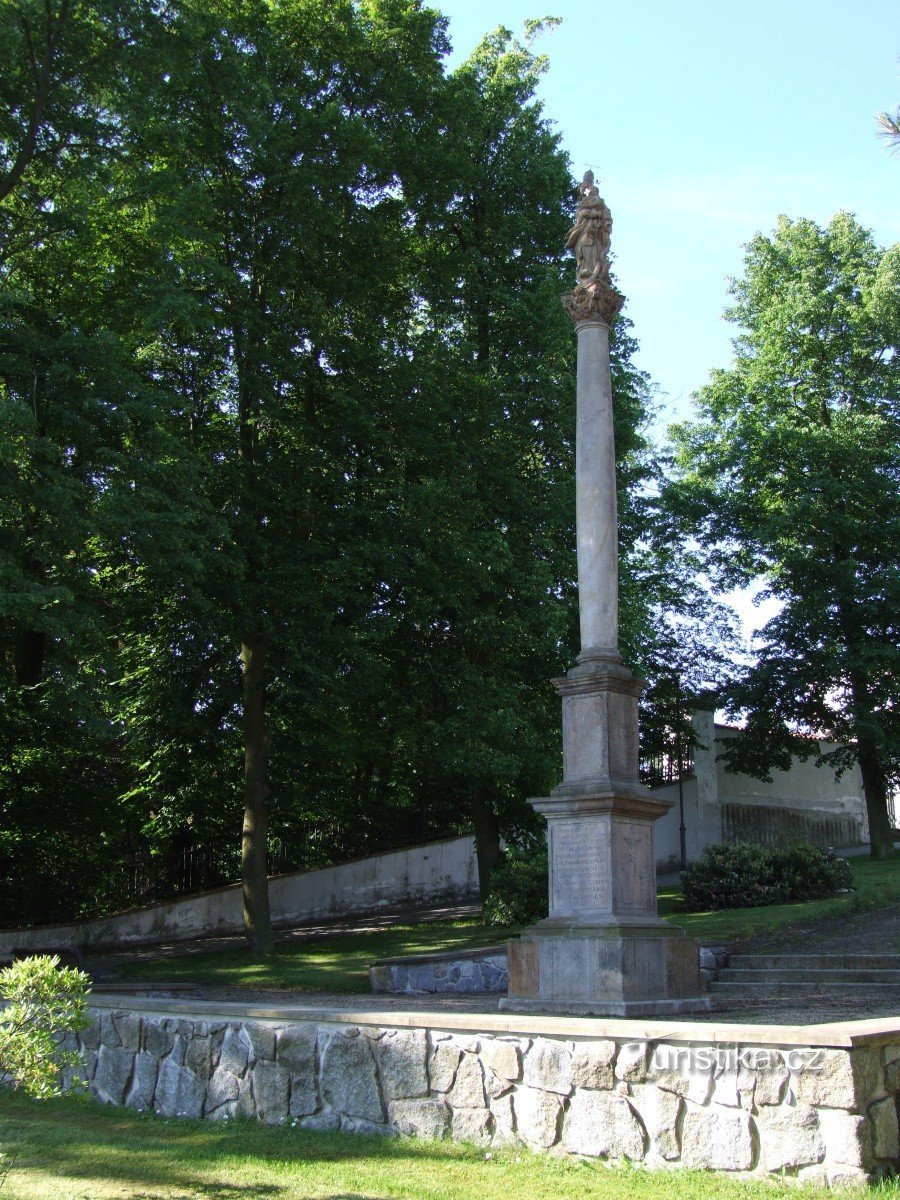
[
  {"x": 806, "y": 803},
  {"x": 823, "y": 1110},
  {"x": 419, "y": 875}
]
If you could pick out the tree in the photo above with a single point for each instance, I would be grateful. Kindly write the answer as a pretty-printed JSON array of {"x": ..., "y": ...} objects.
[
  {"x": 889, "y": 126},
  {"x": 791, "y": 472}
]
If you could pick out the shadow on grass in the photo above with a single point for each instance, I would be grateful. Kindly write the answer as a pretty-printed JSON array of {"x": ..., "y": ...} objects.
[{"x": 111, "y": 1151}]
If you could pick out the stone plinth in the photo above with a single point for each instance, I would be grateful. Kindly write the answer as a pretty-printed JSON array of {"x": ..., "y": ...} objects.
[{"x": 603, "y": 950}]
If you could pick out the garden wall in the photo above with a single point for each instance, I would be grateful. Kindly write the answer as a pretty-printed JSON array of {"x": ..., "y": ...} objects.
[
  {"x": 818, "y": 1102},
  {"x": 444, "y": 871},
  {"x": 804, "y": 803}
]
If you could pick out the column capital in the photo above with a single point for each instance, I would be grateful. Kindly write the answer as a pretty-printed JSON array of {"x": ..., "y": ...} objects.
[{"x": 597, "y": 303}]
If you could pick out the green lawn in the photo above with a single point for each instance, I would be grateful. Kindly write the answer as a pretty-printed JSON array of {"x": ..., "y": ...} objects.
[
  {"x": 80, "y": 1150},
  {"x": 340, "y": 962},
  {"x": 333, "y": 963},
  {"x": 876, "y": 885}
]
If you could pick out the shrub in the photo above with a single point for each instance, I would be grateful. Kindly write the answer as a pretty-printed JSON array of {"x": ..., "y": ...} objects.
[
  {"x": 745, "y": 875},
  {"x": 518, "y": 893},
  {"x": 45, "y": 1004}
]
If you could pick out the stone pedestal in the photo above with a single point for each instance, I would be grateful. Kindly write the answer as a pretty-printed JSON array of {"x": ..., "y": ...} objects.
[{"x": 603, "y": 949}]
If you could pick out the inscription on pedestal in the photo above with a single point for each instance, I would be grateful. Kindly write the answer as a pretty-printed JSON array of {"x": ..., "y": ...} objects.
[
  {"x": 635, "y": 867},
  {"x": 579, "y": 867}
]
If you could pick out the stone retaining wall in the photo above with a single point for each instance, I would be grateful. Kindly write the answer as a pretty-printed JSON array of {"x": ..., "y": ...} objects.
[
  {"x": 455, "y": 973},
  {"x": 675, "y": 1095}
]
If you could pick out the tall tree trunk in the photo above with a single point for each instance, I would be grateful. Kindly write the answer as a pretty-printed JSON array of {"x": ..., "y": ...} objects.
[
  {"x": 874, "y": 780},
  {"x": 29, "y": 653},
  {"x": 872, "y": 766},
  {"x": 254, "y": 884},
  {"x": 487, "y": 842}
]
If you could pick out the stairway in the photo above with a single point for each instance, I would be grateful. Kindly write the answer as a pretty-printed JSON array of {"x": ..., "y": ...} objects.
[{"x": 816, "y": 974}]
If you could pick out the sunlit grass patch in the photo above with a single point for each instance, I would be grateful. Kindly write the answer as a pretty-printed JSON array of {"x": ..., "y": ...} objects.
[
  {"x": 81, "y": 1150},
  {"x": 340, "y": 962}
]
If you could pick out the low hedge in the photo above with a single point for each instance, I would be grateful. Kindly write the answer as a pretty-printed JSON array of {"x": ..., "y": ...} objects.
[
  {"x": 745, "y": 875},
  {"x": 518, "y": 893}
]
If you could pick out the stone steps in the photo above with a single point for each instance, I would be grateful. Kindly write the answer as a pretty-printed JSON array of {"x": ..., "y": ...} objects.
[
  {"x": 816, "y": 962},
  {"x": 830, "y": 975},
  {"x": 810, "y": 974},
  {"x": 806, "y": 986}
]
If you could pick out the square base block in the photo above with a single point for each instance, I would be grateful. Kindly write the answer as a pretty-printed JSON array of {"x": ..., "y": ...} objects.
[{"x": 605, "y": 971}]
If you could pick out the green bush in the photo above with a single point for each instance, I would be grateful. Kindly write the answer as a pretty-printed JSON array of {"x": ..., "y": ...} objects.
[
  {"x": 745, "y": 875},
  {"x": 45, "y": 1005},
  {"x": 519, "y": 885}
]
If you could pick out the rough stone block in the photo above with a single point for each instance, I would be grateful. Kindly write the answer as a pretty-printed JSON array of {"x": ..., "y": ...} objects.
[
  {"x": 235, "y": 1053},
  {"x": 468, "y": 1087},
  {"x": 443, "y": 1065},
  {"x": 725, "y": 1086},
  {"x": 158, "y": 1040},
  {"x": 261, "y": 1039},
  {"x": 179, "y": 1049},
  {"x": 886, "y": 1142},
  {"x": 128, "y": 1027},
  {"x": 602, "y": 1124},
  {"x": 660, "y": 1112},
  {"x": 537, "y": 1116},
  {"x": 348, "y": 1079},
  {"x": 271, "y": 1084},
  {"x": 109, "y": 1034},
  {"x": 179, "y": 1093},
  {"x": 631, "y": 1062},
  {"x": 717, "y": 1139},
  {"x": 771, "y": 1078},
  {"x": 401, "y": 1056},
  {"x": 420, "y": 1118},
  {"x": 88, "y": 1064},
  {"x": 677, "y": 1068},
  {"x": 548, "y": 1065},
  {"x": 503, "y": 1059},
  {"x": 325, "y": 1122},
  {"x": 789, "y": 1137},
  {"x": 90, "y": 1035},
  {"x": 143, "y": 1082},
  {"x": 504, "y": 1120},
  {"x": 847, "y": 1138},
  {"x": 296, "y": 1049},
  {"x": 198, "y": 1058},
  {"x": 223, "y": 1089},
  {"x": 113, "y": 1073},
  {"x": 838, "y": 1079},
  {"x": 592, "y": 1065},
  {"x": 471, "y": 1125}
]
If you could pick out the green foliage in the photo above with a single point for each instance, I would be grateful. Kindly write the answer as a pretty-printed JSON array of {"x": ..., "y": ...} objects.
[
  {"x": 43, "y": 1004},
  {"x": 746, "y": 875},
  {"x": 518, "y": 893},
  {"x": 283, "y": 367},
  {"x": 791, "y": 473}
]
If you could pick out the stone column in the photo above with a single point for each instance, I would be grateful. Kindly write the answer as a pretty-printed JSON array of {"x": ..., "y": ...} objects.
[{"x": 603, "y": 949}]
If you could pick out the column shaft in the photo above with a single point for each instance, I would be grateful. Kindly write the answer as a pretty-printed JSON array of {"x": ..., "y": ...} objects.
[{"x": 595, "y": 502}]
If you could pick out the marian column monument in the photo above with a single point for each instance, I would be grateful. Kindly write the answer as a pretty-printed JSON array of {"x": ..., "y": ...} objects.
[{"x": 603, "y": 949}]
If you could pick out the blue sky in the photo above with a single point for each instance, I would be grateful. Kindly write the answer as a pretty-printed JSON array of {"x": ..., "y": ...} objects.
[{"x": 703, "y": 122}]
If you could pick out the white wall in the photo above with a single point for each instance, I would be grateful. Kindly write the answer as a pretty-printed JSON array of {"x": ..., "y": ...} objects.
[
  {"x": 807, "y": 801},
  {"x": 440, "y": 871}
]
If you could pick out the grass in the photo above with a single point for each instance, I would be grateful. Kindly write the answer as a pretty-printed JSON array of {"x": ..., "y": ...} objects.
[
  {"x": 876, "y": 885},
  {"x": 340, "y": 962},
  {"x": 81, "y": 1150},
  {"x": 332, "y": 963}
]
